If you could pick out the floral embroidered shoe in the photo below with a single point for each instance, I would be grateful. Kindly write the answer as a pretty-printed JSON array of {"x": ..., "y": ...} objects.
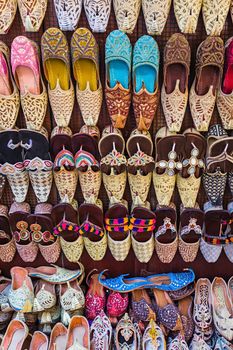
[
  {"x": 97, "y": 13},
  {"x": 169, "y": 148},
  {"x": 203, "y": 93},
  {"x": 127, "y": 13},
  {"x": 214, "y": 15},
  {"x": 56, "y": 63},
  {"x": 118, "y": 55},
  {"x": 140, "y": 164},
  {"x": 101, "y": 332},
  {"x": 225, "y": 93},
  {"x": 9, "y": 96},
  {"x": 71, "y": 296},
  {"x": 153, "y": 337},
  {"x": 95, "y": 297},
  {"x": 155, "y": 15},
  {"x": 64, "y": 170},
  {"x": 174, "y": 96},
  {"x": 25, "y": 64},
  {"x": 145, "y": 81},
  {"x": 45, "y": 296},
  {"x": 78, "y": 334},
  {"x": 117, "y": 305},
  {"x": 7, "y": 14},
  {"x": 15, "y": 335},
  {"x": 7, "y": 243},
  {"x": 142, "y": 307},
  {"x": 127, "y": 335},
  {"x": 92, "y": 229},
  {"x": 113, "y": 162},
  {"x": 21, "y": 295},
  {"x": 65, "y": 219},
  {"x": 32, "y": 14},
  {"x": 187, "y": 14},
  {"x": 191, "y": 223},
  {"x": 202, "y": 313},
  {"x": 166, "y": 239},
  {"x": 85, "y": 57},
  {"x": 86, "y": 157},
  {"x": 189, "y": 178},
  {"x": 68, "y": 13}
]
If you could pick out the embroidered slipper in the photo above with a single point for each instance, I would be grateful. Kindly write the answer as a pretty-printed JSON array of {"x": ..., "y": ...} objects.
[
  {"x": 169, "y": 148},
  {"x": 95, "y": 296},
  {"x": 189, "y": 178},
  {"x": 117, "y": 305},
  {"x": 191, "y": 223},
  {"x": 145, "y": 81},
  {"x": 9, "y": 95},
  {"x": 37, "y": 161},
  {"x": 68, "y": 13},
  {"x": 174, "y": 96},
  {"x": 56, "y": 63},
  {"x": 142, "y": 226},
  {"x": 127, "y": 334},
  {"x": 86, "y": 157},
  {"x": 228, "y": 248},
  {"x": 7, "y": 15},
  {"x": 72, "y": 297},
  {"x": 202, "y": 310},
  {"x": 45, "y": 296},
  {"x": 185, "y": 307},
  {"x": 101, "y": 332},
  {"x": 153, "y": 334},
  {"x": 178, "y": 343},
  {"x": 155, "y": 14},
  {"x": 65, "y": 219},
  {"x": 25, "y": 63},
  {"x": 142, "y": 307},
  {"x": 214, "y": 15},
  {"x": 64, "y": 170},
  {"x": 209, "y": 67},
  {"x": 12, "y": 164},
  {"x": 166, "y": 238},
  {"x": 187, "y": 14},
  {"x": 225, "y": 93},
  {"x": 118, "y": 56},
  {"x": 92, "y": 229},
  {"x": 97, "y": 13},
  {"x": 7, "y": 243},
  {"x": 85, "y": 57},
  {"x": 215, "y": 232},
  {"x": 127, "y": 13},
  {"x": 140, "y": 164},
  {"x": 41, "y": 228},
  {"x": 113, "y": 163},
  {"x": 117, "y": 226},
  {"x": 32, "y": 14}
]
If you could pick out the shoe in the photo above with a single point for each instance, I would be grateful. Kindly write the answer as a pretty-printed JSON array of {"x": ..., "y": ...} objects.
[
  {"x": 117, "y": 305},
  {"x": 155, "y": 14},
  {"x": 118, "y": 56},
  {"x": 32, "y": 14},
  {"x": 142, "y": 307},
  {"x": 122, "y": 284},
  {"x": 9, "y": 95},
  {"x": 198, "y": 343},
  {"x": 25, "y": 63},
  {"x": 95, "y": 297},
  {"x": 21, "y": 295},
  {"x": 214, "y": 15},
  {"x": 7, "y": 242},
  {"x": 174, "y": 95},
  {"x": 225, "y": 93},
  {"x": 185, "y": 309},
  {"x": 173, "y": 281},
  {"x": 56, "y": 63},
  {"x": 7, "y": 15},
  {"x": 187, "y": 14},
  {"x": 145, "y": 81},
  {"x": 71, "y": 296},
  {"x": 202, "y": 311},
  {"x": 68, "y": 13},
  {"x": 127, "y": 335},
  {"x": 153, "y": 337},
  {"x": 39, "y": 341},
  {"x": 101, "y": 332},
  {"x": 127, "y": 13},
  {"x": 58, "y": 337},
  {"x": 78, "y": 334},
  {"x": 178, "y": 343},
  {"x": 85, "y": 57},
  {"x": 97, "y": 13},
  {"x": 15, "y": 335},
  {"x": 45, "y": 296},
  {"x": 203, "y": 93}
]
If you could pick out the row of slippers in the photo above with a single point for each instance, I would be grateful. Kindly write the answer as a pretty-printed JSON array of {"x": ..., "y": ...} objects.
[
  {"x": 180, "y": 158},
  {"x": 204, "y": 92},
  {"x": 126, "y": 11}
]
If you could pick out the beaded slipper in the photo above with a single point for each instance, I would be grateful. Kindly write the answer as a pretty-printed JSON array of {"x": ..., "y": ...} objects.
[
  {"x": 174, "y": 96},
  {"x": 64, "y": 170},
  {"x": 101, "y": 333},
  {"x": 140, "y": 164},
  {"x": 118, "y": 55},
  {"x": 166, "y": 238},
  {"x": 65, "y": 219},
  {"x": 117, "y": 304},
  {"x": 85, "y": 57},
  {"x": 98, "y": 12},
  {"x": 127, "y": 334},
  {"x": 145, "y": 81},
  {"x": 185, "y": 309},
  {"x": 142, "y": 308},
  {"x": 32, "y": 14},
  {"x": 187, "y": 14},
  {"x": 169, "y": 148},
  {"x": 9, "y": 95},
  {"x": 203, "y": 93},
  {"x": 189, "y": 178},
  {"x": 155, "y": 14},
  {"x": 152, "y": 336},
  {"x": 95, "y": 296},
  {"x": 68, "y": 13},
  {"x": 56, "y": 63},
  {"x": 86, "y": 157},
  {"x": 127, "y": 12},
  {"x": 7, "y": 242},
  {"x": 214, "y": 15},
  {"x": 25, "y": 64},
  {"x": 7, "y": 14},
  {"x": 113, "y": 162}
]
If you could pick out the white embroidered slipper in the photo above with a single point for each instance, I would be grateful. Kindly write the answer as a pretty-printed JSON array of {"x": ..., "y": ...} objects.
[
  {"x": 98, "y": 12},
  {"x": 127, "y": 12},
  {"x": 155, "y": 14},
  {"x": 68, "y": 13}
]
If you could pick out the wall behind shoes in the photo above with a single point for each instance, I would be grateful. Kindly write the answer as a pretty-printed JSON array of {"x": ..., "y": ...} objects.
[{"x": 131, "y": 265}]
